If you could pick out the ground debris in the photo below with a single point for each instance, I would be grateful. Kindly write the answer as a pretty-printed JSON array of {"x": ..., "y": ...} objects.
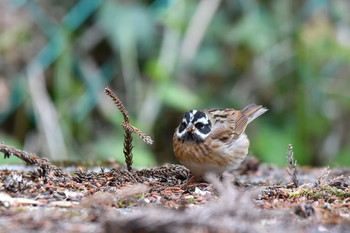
[
  {"x": 118, "y": 200},
  {"x": 304, "y": 210}
]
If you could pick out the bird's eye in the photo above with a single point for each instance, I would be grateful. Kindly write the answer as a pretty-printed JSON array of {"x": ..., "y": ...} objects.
[
  {"x": 182, "y": 126},
  {"x": 199, "y": 125}
]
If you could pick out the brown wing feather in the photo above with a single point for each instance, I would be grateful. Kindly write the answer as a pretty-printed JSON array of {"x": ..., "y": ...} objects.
[{"x": 229, "y": 123}]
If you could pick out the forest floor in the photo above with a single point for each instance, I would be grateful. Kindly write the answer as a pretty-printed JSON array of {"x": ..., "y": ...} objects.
[{"x": 254, "y": 198}]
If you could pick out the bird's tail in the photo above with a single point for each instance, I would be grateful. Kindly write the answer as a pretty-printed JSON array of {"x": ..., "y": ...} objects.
[{"x": 252, "y": 111}]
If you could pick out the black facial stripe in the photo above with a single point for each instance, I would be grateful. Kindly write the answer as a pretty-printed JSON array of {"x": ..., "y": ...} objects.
[
  {"x": 182, "y": 126},
  {"x": 205, "y": 129},
  {"x": 188, "y": 116},
  {"x": 198, "y": 115}
]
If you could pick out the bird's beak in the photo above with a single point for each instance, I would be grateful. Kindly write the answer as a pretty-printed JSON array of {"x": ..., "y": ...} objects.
[{"x": 190, "y": 128}]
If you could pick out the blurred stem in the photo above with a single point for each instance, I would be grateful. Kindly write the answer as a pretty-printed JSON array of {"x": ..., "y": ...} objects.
[
  {"x": 196, "y": 29},
  {"x": 46, "y": 114},
  {"x": 168, "y": 52},
  {"x": 303, "y": 129},
  {"x": 62, "y": 80},
  {"x": 149, "y": 110}
]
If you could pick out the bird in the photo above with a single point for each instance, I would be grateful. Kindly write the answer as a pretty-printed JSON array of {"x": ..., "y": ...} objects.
[{"x": 214, "y": 140}]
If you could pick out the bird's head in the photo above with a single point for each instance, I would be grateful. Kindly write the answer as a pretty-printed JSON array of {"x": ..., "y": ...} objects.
[{"x": 194, "y": 127}]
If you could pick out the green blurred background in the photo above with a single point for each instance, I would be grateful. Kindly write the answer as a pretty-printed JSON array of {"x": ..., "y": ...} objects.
[{"x": 164, "y": 57}]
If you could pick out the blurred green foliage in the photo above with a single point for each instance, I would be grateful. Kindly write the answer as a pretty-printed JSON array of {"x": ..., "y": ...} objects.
[{"x": 164, "y": 57}]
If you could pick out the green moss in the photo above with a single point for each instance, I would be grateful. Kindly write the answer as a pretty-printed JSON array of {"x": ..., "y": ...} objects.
[
  {"x": 140, "y": 195},
  {"x": 73, "y": 214},
  {"x": 312, "y": 193},
  {"x": 124, "y": 203},
  {"x": 190, "y": 200},
  {"x": 322, "y": 192},
  {"x": 336, "y": 192}
]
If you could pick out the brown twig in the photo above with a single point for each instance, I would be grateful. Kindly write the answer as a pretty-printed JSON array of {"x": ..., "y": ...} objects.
[
  {"x": 31, "y": 159},
  {"x": 129, "y": 129},
  {"x": 292, "y": 168}
]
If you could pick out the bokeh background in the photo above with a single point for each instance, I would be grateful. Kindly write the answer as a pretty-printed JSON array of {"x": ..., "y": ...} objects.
[{"x": 164, "y": 57}]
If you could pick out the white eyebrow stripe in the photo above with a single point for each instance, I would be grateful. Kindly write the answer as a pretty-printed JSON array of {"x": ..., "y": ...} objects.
[
  {"x": 202, "y": 135},
  {"x": 203, "y": 120}
]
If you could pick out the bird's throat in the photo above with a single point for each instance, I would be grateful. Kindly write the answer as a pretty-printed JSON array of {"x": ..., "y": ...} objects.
[{"x": 191, "y": 137}]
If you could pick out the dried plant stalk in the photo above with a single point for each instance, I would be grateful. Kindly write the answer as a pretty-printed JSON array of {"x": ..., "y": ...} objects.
[
  {"x": 129, "y": 129},
  {"x": 128, "y": 150},
  {"x": 32, "y": 159},
  {"x": 292, "y": 167},
  {"x": 322, "y": 178},
  {"x": 119, "y": 104}
]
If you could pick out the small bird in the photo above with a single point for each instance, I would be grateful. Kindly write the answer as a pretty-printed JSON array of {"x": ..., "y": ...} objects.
[{"x": 213, "y": 140}]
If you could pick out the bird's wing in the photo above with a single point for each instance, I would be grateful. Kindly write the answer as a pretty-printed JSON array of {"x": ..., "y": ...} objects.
[{"x": 229, "y": 123}]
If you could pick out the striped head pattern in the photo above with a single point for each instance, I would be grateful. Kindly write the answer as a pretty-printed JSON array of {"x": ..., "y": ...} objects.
[{"x": 195, "y": 127}]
